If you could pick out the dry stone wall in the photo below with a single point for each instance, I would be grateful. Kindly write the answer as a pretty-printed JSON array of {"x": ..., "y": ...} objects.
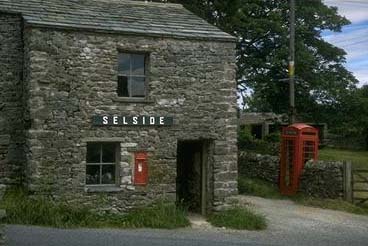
[
  {"x": 322, "y": 179},
  {"x": 264, "y": 167}
]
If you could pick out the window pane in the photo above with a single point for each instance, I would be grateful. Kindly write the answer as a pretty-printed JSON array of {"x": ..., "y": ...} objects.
[
  {"x": 108, "y": 152},
  {"x": 124, "y": 63},
  {"x": 138, "y": 87},
  {"x": 123, "y": 86},
  {"x": 93, "y": 153},
  {"x": 108, "y": 174},
  {"x": 137, "y": 64},
  {"x": 93, "y": 174}
]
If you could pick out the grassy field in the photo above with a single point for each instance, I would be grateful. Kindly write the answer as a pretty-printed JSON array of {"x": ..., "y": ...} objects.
[{"x": 358, "y": 158}]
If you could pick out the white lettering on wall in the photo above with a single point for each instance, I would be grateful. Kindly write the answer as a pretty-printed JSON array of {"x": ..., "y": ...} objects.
[
  {"x": 124, "y": 121},
  {"x": 115, "y": 120},
  {"x": 105, "y": 120},
  {"x": 135, "y": 120}
]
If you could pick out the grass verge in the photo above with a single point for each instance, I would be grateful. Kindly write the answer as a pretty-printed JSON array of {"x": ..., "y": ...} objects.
[
  {"x": 161, "y": 215},
  {"x": 238, "y": 218},
  {"x": 21, "y": 209},
  {"x": 257, "y": 187}
]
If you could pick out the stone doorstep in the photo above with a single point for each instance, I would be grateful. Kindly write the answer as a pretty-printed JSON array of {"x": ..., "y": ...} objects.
[{"x": 197, "y": 221}]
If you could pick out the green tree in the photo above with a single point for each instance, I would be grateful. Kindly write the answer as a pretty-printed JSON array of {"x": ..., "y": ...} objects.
[
  {"x": 355, "y": 114},
  {"x": 323, "y": 83}
]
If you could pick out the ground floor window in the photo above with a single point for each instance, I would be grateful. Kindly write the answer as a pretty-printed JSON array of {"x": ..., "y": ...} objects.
[{"x": 101, "y": 163}]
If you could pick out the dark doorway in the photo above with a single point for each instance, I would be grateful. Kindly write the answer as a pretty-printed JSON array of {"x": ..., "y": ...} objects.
[
  {"x": 192, "y": 175},
  {"x": 257, "y": 131}
]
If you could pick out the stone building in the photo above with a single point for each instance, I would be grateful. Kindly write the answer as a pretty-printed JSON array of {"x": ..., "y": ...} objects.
[
  {"x": 115, "y": 104},
  {"x": 262, "y": 124}
]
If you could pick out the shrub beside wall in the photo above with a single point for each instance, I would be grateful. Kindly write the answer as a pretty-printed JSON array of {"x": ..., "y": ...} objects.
[{"x": 323, "y": 179}]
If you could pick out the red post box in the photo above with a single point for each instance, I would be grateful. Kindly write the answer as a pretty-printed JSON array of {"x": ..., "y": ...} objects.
[
  {"x": 299, "y": 143},
  {"x": 140, "y": 168}
]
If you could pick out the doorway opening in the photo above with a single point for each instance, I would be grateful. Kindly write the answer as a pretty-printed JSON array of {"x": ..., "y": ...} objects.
[{"x": 193, "y": 176}]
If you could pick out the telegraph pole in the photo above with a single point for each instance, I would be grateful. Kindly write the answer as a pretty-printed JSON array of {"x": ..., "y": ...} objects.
[{"x": 292, "y": 110}]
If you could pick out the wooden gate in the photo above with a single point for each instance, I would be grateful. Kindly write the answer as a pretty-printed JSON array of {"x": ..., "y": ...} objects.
[{"x": 359, "y": 180}]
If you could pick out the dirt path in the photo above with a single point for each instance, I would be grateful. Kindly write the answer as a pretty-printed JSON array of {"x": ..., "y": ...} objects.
[{"x": 289, "y": 218}]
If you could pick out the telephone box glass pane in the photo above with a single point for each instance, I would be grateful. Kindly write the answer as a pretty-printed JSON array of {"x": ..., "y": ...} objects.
[
  {"x": 308, "y": 151},
  {"x": 289, "y": 161}
]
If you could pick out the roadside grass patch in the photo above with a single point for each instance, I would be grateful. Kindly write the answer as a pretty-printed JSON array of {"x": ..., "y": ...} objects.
[
  {"x": 257, "y": 187},
  {"x": 160, "y": 215},
  {"x": 238, "y": 218},
  {"x": 20, "y": 209},
  {"x": 43, "y": 211}
]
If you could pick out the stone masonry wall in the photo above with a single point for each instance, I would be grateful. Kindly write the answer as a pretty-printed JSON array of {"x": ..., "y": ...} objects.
[
  {"x": 259, "y": 166},
  {"x": 72, "y": 76},
  {"x": 11, "y": 124},
  {"x": 321, "y": 179}
]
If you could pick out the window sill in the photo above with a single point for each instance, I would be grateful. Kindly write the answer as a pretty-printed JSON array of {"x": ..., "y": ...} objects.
[
  {"x": 132, "y": 100},
  {"x": 102, "y": 188}
]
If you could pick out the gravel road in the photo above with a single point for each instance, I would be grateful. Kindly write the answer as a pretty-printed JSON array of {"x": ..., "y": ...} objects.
[{"x": 289, "y": 224}]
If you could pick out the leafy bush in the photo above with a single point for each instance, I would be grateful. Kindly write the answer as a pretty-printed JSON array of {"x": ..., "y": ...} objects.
[
  {"x": 269, "y": 145},
  {"x": 273, "y": 137},
  {"x": 238, "y": 218}
]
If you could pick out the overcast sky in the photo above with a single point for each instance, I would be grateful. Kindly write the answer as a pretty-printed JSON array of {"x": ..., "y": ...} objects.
[{"x": 353, "y": 38}]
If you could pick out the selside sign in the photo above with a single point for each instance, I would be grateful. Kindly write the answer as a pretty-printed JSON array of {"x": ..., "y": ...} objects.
[{"x": 113, "y": 120}]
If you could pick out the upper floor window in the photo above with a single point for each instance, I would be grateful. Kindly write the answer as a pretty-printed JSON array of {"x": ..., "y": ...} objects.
[{"x": 131, "y": 75}]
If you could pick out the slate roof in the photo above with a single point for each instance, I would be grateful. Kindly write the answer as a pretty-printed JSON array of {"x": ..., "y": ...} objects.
[{"x": 134, "y": 17}]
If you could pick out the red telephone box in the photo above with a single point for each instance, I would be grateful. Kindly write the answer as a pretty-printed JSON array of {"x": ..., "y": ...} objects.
[
  {"x": 140, "y": 168},
  {"x": 299, "y": 144}
]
